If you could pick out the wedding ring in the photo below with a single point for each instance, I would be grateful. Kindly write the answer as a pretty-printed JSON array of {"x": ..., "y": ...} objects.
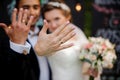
[
  {"x": 61, "y": 42},
  {"x": 23, "y": 21},
  {"x": 9, "y": 27}
]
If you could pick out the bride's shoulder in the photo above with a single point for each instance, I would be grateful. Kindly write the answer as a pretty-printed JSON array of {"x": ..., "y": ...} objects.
[{"x": 80, "y": 35}]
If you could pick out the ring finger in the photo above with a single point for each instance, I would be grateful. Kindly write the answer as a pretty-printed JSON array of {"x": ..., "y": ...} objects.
[{"x": 67, "y": 37}]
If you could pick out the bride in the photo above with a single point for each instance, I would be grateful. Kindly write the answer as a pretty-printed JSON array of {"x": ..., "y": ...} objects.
[{"x": 65, "y": 64}]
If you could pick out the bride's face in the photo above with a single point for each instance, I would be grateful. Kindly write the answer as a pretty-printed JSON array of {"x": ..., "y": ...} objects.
[{"x": 55, "y": 18}]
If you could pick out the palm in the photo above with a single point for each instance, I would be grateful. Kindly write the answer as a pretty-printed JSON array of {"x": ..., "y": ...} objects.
[{"x": 49, "y": 43}]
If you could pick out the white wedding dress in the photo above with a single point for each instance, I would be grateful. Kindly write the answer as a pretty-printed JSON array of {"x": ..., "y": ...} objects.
[{"x": 65, "y": 64}]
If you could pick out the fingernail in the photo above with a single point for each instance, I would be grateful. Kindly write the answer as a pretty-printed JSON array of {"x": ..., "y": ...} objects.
[
  {"x": 26, "y": 10},
  {"x": 21, "y": 9},
  {"x": 44, "y": 21},
  {"x": 32, "y": 17},
  {"x": 68, "y": 22}
]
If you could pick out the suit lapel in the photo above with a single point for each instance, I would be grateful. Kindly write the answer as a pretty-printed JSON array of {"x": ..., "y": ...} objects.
[{"x": 34, "y": 62}]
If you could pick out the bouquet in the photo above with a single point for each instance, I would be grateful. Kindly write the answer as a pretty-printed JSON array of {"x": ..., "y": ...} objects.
[{"x": 99, "y": 53}]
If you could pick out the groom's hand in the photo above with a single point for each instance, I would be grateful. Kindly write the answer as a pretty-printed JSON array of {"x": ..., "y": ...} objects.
[{"x": 19, "y": 29}]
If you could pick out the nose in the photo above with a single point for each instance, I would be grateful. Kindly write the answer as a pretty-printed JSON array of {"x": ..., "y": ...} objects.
[
  {"x": 53, "y": 25},
  {"x": 32, "y": 12}
]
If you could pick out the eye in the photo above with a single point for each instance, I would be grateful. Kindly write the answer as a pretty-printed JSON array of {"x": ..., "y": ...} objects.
[
  {"x": 25, "y": 7},
  {"x": 48, "y": 21},
  {"x": 57, "y": 18},
  {"x": 36, "y": 7}
]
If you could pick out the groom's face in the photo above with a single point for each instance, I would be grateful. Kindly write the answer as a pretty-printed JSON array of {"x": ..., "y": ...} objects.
[{"x": 33, "y": 7}]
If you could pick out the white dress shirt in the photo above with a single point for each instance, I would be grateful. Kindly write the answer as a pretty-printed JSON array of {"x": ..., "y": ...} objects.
[{"x": 42, "y": 60}]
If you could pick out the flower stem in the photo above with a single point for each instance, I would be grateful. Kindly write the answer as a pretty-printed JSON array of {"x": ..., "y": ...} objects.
[{"x": 91, "y": 78}]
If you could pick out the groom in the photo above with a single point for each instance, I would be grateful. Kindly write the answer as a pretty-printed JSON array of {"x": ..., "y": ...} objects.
[{"x": 22, "y": 62}]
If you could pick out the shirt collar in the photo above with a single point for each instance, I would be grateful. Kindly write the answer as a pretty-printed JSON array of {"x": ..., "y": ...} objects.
[{"x": 35, "y": 32}]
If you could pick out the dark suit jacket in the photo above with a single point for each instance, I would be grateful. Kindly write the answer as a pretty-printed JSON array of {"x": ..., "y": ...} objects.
[{"x": 15, "y": 66}]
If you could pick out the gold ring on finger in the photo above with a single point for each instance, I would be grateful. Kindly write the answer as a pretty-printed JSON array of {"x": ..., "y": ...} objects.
[
  {"x": 23, "y": 21},
  {"x": 9, "y": 27}
]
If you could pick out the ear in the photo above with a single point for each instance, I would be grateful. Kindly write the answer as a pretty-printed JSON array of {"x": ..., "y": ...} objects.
[{"x": 69, "y": 18}]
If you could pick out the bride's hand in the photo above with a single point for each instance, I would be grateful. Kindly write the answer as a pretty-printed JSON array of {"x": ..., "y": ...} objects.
[
  {"x": 49, "y": 43},
  {"x": 93, "y": 72}
]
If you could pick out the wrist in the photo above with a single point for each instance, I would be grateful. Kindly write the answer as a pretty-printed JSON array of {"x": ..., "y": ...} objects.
[{"x": 39, "y": 51}]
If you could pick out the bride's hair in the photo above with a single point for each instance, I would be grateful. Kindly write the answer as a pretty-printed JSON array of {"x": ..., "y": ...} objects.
[{"x": 56, "y": 5}]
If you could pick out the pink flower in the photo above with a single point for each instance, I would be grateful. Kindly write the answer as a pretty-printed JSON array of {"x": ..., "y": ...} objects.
[
  {"x": 88, "y": 46},
  {"x": 104, "y": 46},
  {"x": 98, "y": 53}
]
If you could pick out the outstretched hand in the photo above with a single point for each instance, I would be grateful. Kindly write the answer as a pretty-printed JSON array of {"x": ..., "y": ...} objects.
[
  {"x": 49, "y": 43},
  {"x": 19, "y": 29}
]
